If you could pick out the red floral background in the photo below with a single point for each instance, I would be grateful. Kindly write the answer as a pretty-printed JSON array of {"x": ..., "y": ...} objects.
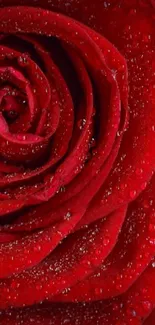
[{"x": 77, "y": 159}]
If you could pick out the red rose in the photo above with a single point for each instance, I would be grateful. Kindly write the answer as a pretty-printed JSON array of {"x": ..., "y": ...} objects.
[{"x": 77, "y": 158}]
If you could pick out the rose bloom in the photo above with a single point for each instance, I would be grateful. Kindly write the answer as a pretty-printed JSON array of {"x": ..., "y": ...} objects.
[{"x": 77, "y": 161}]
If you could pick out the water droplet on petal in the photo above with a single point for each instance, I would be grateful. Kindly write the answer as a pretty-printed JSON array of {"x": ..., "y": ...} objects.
[
  {"x": 152, "y": 241},
  {"x": 67, "y": 216},
  {"x": 146, "y": 305},
  {"x": 98, "y": 291},
  {"x": 118, "y": 133},
  {"x": 62, "y": 189},
  {"x": 23, "y": 60},
  {"x": 153, "y": 264},
  {"x": 139, "y": 171},
  {"x": 153, "y": 128},
  {"x": 81, "y": 123},
  {"x": 143, "y": 186},
  {"x": 37, "y": 248},
  {"x": 133, "y": 194},
  {"x": 92, "y": 143},
  {"x": 106, "y": 241},
  {"x": 134, "y": 313}
]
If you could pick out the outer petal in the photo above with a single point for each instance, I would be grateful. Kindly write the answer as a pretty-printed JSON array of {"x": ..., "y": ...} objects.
[{"x": 73, "y": 260}]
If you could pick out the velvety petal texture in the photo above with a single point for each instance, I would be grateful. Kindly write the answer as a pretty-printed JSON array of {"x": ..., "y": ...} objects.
[{"x": 77, "y": 161}]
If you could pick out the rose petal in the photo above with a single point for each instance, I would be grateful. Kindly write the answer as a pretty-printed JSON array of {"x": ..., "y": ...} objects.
[{"x": 75, "y": 259}]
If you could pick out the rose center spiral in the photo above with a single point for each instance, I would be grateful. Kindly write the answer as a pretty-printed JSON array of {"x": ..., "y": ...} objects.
[
  {"x": 12, "y": 103},
  {"x": 12, "y": 96}
]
